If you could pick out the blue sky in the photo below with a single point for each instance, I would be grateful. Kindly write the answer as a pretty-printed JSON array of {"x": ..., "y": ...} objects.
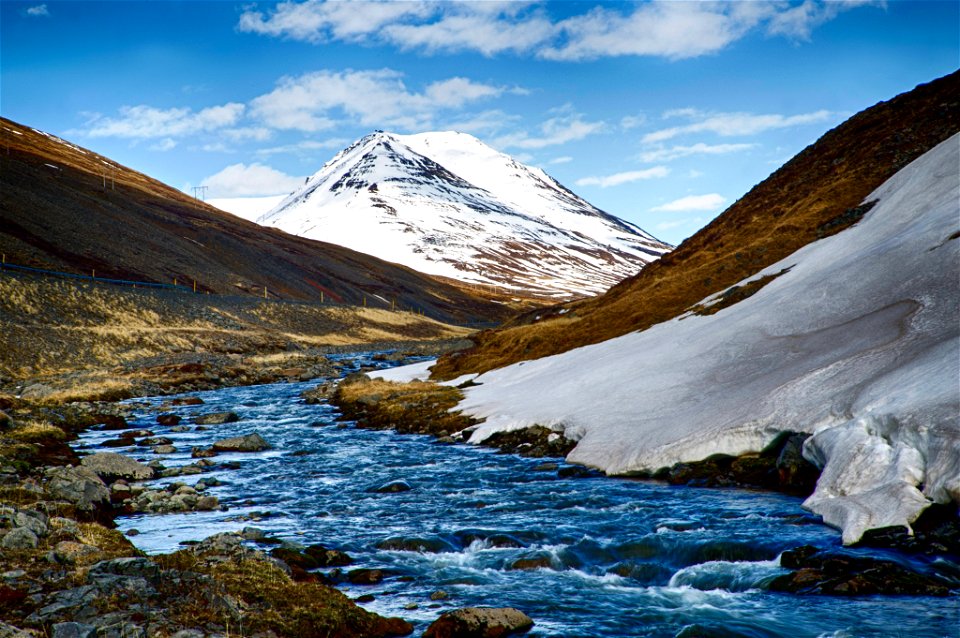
[{"x": 662, "y": 113}]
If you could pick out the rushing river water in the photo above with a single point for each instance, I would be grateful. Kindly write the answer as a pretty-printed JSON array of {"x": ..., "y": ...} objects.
[{"x": 626, "y": 558}]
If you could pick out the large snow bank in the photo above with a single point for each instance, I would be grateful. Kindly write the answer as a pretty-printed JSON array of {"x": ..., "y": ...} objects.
[{"x": 858, "y": 343}]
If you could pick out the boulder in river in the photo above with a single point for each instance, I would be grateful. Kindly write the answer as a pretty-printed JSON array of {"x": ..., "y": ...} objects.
[
  {"x": 248, "y": 443},
  {"x": 187, "y": 401},
  {"x": 479, "y": 622},
  {"x": 216, "y": 418},
  {"x": 110, "y": 466},
  {"x": 393, "y": 487},
  {"x": 836, "y": 574},
  {"x": 168, "y": 419}
]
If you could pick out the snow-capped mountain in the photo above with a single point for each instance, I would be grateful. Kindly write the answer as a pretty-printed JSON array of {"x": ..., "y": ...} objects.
[{"x": 446, "y": 204}]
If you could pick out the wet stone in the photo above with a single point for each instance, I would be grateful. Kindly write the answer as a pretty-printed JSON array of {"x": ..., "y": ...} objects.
[
  {"x": 73, "y": 630},
  {"x": 393, "y": 487},
  {"x": 216, "y": 418},
  {"x": 168, "y": 419},
  {"x": 479, "y": 622}
]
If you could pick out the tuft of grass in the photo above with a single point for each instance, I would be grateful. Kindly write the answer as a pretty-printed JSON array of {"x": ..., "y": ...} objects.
[
  {"x": 93, "y": 390},
  {"x": 36, "y": 432}
]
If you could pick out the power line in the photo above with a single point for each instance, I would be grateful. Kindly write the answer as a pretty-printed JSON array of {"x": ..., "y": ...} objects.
[{"x": 202, "y": 190}]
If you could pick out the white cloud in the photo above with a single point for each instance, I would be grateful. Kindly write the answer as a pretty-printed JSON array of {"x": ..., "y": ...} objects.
[
  {"x": 244, "y": 133},
  {"x": 663, "y": 154},
  {"x": 145, "y": 122},
  {"x": 488, "y": 28},
  {"x": 729, "y": 124},
  {"x": 660, "y": 28},
  {"x": 561, "y": 160},
  {"x": 241, "y": 180},
  {"x": 380, "y": 98},
  {"x": 674, "y": 30},
  {"x": 713, "y": 201},
  {"x": 624, "y": 178},
  {"x": 165, "y": 144},
  {"x": 456, "y": 92},
  {"x": 38, "y": 11},
  {"x": 799, "y": 21},
  {"x": 567, "y": 126},
  {"x": 632, "y": 121},
  {"x": 320, "y": 22}
]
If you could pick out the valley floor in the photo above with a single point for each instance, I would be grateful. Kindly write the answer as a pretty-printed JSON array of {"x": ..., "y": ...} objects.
[{"x": 68, "y": 340}]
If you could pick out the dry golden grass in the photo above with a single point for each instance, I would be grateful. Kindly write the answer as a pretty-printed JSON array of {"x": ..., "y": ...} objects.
[
  {"x": 419, "y": 406},
  {"x": 808, "y": 198},
  {"x": 35, "y": 431},
  {"x": 92, "y": 389},
  {"x": 53, "y": 327}
]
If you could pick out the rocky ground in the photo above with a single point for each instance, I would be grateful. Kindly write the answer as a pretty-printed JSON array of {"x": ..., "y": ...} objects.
[
  {"x": 425, "y": 408},
  {"x": 64, "y": 570}
]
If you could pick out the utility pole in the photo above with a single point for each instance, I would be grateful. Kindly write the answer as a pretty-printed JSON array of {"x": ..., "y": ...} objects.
[{"x": 200, "y": 192}]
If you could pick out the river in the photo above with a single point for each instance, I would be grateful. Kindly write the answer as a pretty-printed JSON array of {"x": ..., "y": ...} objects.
[{"x": 617, "y": 557}]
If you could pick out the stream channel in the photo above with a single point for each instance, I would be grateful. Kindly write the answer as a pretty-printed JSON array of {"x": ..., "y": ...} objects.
[{"x": 626, "y": 557}]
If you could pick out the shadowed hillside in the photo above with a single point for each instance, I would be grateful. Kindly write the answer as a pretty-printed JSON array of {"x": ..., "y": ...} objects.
[
  {"x": 69, "y": 209},
  {"x": 816, "y": 194}
]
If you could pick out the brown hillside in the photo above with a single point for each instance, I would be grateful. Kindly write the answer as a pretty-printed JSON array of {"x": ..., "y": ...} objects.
[
  {"x": 811, "y": 196},
  {"x": 69, "y": 209}
]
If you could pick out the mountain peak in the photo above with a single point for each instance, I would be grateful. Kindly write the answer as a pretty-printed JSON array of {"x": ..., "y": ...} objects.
[{"x": 447, "y": 204}]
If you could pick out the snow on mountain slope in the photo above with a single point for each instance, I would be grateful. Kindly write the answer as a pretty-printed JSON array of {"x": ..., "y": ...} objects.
[
  {"x": 448, "y": 205},
  {"x": 858, "y": 342}
]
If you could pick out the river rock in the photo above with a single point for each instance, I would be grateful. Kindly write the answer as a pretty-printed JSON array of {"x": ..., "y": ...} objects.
[
  {"x": 834, "y": 574},
  {"x": 365, "y": 576},
  {"x": 202, "y": 452},
  {"x": 326, "y": 557},
  {"x": 393, "y": 487},
  {"x": 249, "y": 443},
  {"x": 109, "y": 466},
  {"x": 71, "y": 552},
  {"x": 111, "y": 421},
  {"x": 216, "y": 418},
  {"x": 479, "y": 622},
  {"x": 536, "y": 562},
  {"x": 20, "y": 538},
  {"x": 164, "y": 449},
  {"x": 78, "y": 485},
  {"x": 74, "y": 630},
  {"x": 207, "y": 504},
  {"x": 187, "y": 401},
  {"x": 168, "y": 419}
]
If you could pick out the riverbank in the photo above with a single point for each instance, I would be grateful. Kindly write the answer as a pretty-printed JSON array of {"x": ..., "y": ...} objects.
[
  {"x": 78, "y": 562},
  {"x": 65, "y": 570},
  {"x": 429, "y": 408}
]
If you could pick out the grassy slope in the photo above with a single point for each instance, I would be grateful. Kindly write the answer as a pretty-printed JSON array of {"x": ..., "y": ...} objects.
[
  {"x": 56, "y": 213},
  {"x": 58, "y": 328},
  {"x": 788, "y": 210}
]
